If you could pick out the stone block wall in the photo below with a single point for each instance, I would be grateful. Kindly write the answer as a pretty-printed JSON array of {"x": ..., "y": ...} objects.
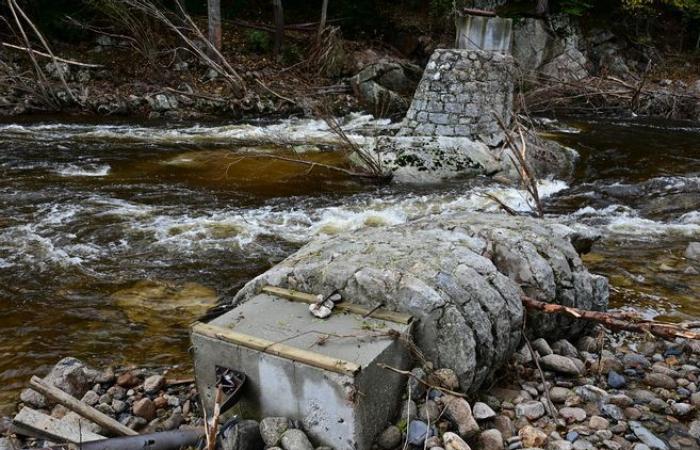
[{"x": 458, "y": 95}]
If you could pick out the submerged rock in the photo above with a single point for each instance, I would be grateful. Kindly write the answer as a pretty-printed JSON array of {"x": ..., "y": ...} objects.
[{"x": 462, "y": 275}]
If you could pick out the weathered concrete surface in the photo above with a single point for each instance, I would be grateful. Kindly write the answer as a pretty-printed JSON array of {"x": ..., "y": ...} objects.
[
  {"x": 460, "y": 93},
  {"x": 340, "y": 410},
  {"x": 484, "y": 33},
  {"x": 461, "y": 275}
]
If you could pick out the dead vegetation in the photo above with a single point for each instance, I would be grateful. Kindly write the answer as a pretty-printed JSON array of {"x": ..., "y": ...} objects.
[{"x": 612, "y": 95}]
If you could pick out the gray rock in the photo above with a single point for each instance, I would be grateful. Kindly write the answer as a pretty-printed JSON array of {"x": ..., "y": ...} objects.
[
  {"x": 590, "y": 393},
  {"x": 542, "y": 347},
  {"x": 583, "y": 444},
  {"x": 91, "y": 398},
  {"x": 9, "y": 443},
  {"x": 565, "y": 348},
  {"x": 106, "y": 376},
  {"x": 491, "y": 440},
  {"x": 69, "y": 375},
  {"x": 647, "y": 437},
  {"x": 390, "y": 438},
  {"x": 418, "y": 431},
  {"x": 531, "y": 410},
  {"x": 560, "y": 364},
  {"x": 573, "y": 414},
  {"x": 56, "y": 70},
  {"x": 407, "y": 269},
  {"x": 559, "y": 394},
  {"x": 272, "y": 429},
  {"x": 694, "y": 429},
  {"x": 482, "y": 411},
  {"x": 429, "y": 411},
  {"x": 693, "y": 251},
  {"x": 682, "y": 409},
  {"x": 613, "y": 411},
  {"x": 245, "y": 435},
  {"x": 635, "y": 361},
  {"x": 119, "y": 406},
  {"x": 414, "y": 383},
  {"x": 409, "y": 411},
  {"x": 153, "y": 384},
  {"x": 295, "y": 440},
  {"x": 615, "y": 380},
  {"x": 559, "y": 445},
  {"x": 162, "y": 102}
]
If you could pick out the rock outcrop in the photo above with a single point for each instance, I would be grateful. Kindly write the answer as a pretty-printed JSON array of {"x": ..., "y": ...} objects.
[{"x": 462, "y": 276}]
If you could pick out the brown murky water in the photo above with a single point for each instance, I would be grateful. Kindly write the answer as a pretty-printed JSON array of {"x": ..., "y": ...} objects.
[{"x": 114, "y": 237}]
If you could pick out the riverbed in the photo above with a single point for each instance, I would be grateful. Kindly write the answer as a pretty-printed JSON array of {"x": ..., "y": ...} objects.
[{"x": 115, "y": 236}]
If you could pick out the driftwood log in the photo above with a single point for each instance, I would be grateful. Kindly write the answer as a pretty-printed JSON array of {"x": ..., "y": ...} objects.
[
  {"x": 616, "y": 321},
  {"x": 83, "y": 409}
]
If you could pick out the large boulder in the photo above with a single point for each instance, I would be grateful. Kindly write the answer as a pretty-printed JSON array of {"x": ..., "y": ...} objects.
[
  {"x": 385, "y": 88},
  {"x": 461, "y": 275},
  {"x": 553, "y": 49}
]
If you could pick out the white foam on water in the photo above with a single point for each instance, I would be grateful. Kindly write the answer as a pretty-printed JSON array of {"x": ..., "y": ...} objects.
[
  {"x": 241, "y": 228},
  {"x": 88, "y": 170},
  {"x": 619, "y": 222},
  {"x": 285, "y": 132}
]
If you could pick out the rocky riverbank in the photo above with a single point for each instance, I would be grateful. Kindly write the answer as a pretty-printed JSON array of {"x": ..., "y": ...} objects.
[{"x": 615, "y": 391}]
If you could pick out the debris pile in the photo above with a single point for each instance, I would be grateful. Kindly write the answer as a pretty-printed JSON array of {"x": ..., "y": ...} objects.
[{"x": 76, "y": 404}]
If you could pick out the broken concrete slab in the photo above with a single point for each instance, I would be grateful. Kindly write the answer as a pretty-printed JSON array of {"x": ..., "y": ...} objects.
[{"x": 37, "y": 424}]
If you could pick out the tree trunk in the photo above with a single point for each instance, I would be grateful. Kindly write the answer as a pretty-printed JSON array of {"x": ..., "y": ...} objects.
[
  {"x": 278, "y": 13},
  {"x": 214, "y": 12},
  {"x": 542, "y": 8},
  {"x": 324, "y": 14}
]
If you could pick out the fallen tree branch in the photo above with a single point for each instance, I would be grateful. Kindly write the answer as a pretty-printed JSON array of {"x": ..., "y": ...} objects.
[
  {"x": 46, "y": 55},
  {"x": 616, "y": 321}
]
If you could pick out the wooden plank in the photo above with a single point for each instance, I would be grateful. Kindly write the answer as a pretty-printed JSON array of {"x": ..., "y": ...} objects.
[
  {"x": 354, "y": 308},
  {"x": 285, "y": 351},
  {"x": 75, "y": 405},
  {"x": 34, "y": 423}
]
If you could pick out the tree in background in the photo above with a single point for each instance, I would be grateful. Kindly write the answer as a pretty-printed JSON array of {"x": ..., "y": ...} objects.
[{"x": 214, "y": 16}]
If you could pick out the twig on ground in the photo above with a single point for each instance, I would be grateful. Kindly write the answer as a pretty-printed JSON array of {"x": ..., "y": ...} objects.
[
  {"x": 46, "y": 55},
  {"x": 424, "y": 383},
  {"x": 535, "y": 356}
]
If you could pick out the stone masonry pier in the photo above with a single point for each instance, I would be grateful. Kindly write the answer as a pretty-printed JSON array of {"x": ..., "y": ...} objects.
[{"x": 459, "y": 94}]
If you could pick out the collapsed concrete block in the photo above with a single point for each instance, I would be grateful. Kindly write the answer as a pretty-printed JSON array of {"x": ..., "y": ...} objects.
[{"x": 325, "y": 373}]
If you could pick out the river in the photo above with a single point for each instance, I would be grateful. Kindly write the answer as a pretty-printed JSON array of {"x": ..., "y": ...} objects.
[{"x": 115, "y": 236}]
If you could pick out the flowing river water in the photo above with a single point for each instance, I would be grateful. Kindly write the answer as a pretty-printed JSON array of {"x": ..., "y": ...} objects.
[{"x": 114, "y": 237}]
